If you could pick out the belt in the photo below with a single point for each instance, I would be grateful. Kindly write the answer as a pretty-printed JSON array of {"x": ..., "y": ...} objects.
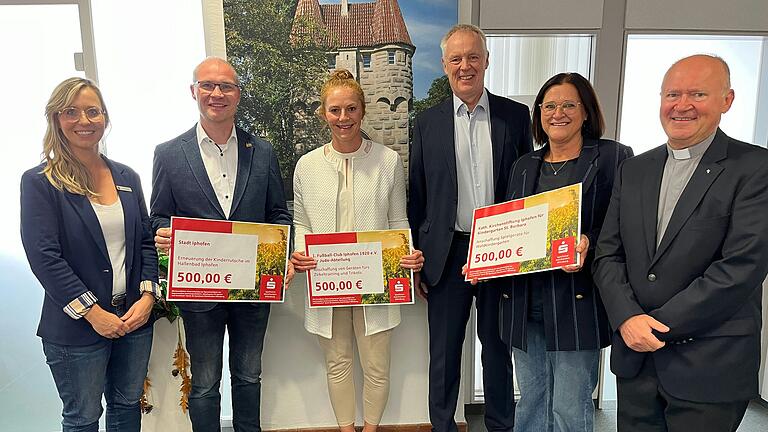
[
  {"x": 461, "y": 235},
  {"x": 118, "y": 300}
]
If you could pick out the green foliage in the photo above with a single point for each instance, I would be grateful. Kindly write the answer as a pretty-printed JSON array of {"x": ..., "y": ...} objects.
[
  {"x": 439, "y": 91},
  {"x": 390, "y": 261},
  {"x": 162, "y": 308},
  {"x": 562, "y": 222},
  {"x": 244, "y": 294},
  {"x": 375, "y": 298},
  {"x": 279, "y": 76},
  {"x": 271, "y": 259},
  {"x": 162, "y": 264}
]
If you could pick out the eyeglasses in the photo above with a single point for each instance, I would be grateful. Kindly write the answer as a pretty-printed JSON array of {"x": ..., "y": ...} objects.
[
  {"x": 675, "y": 96},
  {"x": 72, "y": 114},
  {"x": 569, "y": 107},
  {"x": 210, "y": 86}
]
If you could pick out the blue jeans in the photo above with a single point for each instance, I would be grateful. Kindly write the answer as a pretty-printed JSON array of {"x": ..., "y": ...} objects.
[
  {"x": 115, "y": 368},
  {"x": 246, "y": 324},
  {"x": 555, "y": 386}
]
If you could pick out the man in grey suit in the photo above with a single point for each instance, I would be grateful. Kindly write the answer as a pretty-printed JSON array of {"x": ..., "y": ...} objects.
[
  {"x": 680, "y": 263},
  {"x": 217, "y": 171}
]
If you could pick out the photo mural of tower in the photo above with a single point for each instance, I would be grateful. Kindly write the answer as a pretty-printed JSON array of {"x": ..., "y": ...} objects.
[{"x": 371, "y": 40}]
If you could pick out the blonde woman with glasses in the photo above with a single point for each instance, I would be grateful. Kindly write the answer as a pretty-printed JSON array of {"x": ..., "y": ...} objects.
[{"x": 86, "y": 233}]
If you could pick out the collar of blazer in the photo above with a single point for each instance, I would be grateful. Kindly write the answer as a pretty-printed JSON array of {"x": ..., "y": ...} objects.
[
  {"x": 84, "y": 209},
  {"x": 586, "y": 167},
  {"x": 191, "y": 150},
  {"x": 705, "y": 174},
  {"x": 447, "y": 135}
]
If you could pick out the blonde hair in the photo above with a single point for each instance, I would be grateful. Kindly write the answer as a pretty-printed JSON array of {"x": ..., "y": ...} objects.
[
  {"x": 62, "y": 169},
  {"x": 340, "y": 78}
]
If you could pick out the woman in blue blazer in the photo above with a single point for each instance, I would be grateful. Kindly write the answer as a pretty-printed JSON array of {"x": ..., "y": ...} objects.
[
  {"x": 554, "y": 322},
  {"x": 86, "y": 233}
]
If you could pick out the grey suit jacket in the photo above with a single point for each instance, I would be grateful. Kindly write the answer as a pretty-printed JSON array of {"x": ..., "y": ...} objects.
[
  {"x": 705, "y": 278},
  {"x": 180, "y": 187}
]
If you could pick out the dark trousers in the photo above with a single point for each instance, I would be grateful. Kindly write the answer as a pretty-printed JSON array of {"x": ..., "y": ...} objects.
[
  {"x": 645, "y": 407},
  {"x": 246, "y": 324},
  {"x": 449, "y": 304}
]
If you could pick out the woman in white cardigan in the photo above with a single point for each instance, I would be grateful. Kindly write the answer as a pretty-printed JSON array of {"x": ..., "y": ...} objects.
[{"x": 350, "y": 184}]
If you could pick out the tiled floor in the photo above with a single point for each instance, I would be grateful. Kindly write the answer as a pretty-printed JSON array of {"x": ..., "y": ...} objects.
[{"x": 756, "y": 419}]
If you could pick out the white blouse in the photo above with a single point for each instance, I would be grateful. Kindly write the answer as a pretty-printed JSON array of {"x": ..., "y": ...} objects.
[
  {"x": 359, "y": 191},
  {"x": 113, "y": 227}
]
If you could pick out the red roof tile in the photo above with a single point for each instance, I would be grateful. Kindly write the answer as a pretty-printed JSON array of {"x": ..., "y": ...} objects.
[{"x": 366, "y": 24}]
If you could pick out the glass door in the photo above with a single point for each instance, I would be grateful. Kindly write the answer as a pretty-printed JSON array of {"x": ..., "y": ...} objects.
[{"x": 42, "y": 45}]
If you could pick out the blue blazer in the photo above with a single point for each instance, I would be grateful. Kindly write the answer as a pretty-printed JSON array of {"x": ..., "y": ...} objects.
[
  {"x": 181, "y": 187},
  {"x": 67, "y": 253},
  {"x": 432, "y": 184},
  {"x": 574, "y": 316}
]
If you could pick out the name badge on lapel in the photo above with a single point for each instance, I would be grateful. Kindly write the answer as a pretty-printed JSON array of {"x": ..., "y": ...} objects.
[{"x": 124, "y": 188}]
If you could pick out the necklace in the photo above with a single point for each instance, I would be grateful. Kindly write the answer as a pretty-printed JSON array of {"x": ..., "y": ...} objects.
[{"x": 560, "y": 168}]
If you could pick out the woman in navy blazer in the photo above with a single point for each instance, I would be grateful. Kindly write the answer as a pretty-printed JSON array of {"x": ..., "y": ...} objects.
[
  {"x": 86, "y": 233},
  {"x": 554, "y": 322}
]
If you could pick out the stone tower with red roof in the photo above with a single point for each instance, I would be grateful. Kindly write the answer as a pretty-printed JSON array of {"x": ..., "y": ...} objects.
[{"x": 371, "y": 41}]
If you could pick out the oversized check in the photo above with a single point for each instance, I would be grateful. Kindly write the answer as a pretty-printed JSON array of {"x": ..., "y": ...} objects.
[
  {"x": 531, "y": 234},
  {"x": 359, "y": 268},
  {"x": 215, "y": 260}
]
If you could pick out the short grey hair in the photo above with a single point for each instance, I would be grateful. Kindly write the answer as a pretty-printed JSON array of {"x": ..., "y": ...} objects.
[
  {"x": 463, "y": 28},
  {"x": 216, "y": 59}
]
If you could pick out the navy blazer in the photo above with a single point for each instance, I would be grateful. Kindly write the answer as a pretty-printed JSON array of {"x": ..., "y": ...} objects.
[
  {"x": 704, "y": 279},
  {"x": 66, "y": 250},
  {"x": 181, "y": 187},
  {"x": 574, "y": 316},
  {"x": 432, "y": 184}
]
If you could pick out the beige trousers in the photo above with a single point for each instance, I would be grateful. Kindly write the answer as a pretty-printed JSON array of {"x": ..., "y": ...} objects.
[{"x": 349, "y": 325}]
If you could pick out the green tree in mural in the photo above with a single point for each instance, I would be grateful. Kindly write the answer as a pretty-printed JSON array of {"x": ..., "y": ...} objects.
[
  {"x": 280, "y": 73},
  {"x": 439, "y": 91}
]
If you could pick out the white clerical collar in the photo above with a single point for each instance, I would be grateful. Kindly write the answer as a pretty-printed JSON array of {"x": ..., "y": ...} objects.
[{"x": 692, "y": 151}]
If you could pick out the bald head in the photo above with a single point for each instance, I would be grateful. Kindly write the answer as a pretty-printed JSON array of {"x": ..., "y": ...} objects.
[
  {"x": 695, "y": 93},
  {"x": 217, "y": 92},
  {"x": 717, "y": 64},
  {"x": 218, "y": 62}
]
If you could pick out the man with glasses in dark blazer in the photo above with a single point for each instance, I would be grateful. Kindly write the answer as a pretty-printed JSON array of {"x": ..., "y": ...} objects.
[{"x": 217, "y": 171}]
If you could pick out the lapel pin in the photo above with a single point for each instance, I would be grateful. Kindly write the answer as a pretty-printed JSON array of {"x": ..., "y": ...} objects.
[
  {"x": 123, "y": 188},
  {"x": 707, "y": 170},
  {"x": 248, "y": 145}
]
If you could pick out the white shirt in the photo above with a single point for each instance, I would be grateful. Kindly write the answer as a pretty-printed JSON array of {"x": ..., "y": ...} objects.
[
  {"x": 474, "y": 159},
  {"x": 345, "y": 204},
  {"x": 113, "y": 227},
  {"x": 220, "y": 161}
]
